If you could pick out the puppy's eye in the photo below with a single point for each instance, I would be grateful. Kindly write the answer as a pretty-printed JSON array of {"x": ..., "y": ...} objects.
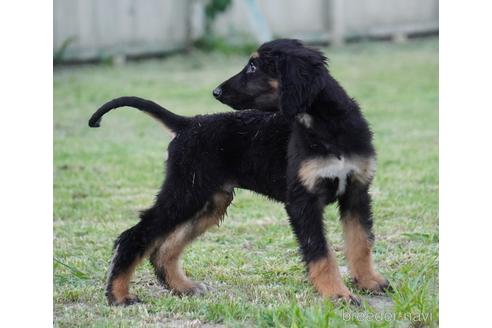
[{"x": 251, "y": 68}]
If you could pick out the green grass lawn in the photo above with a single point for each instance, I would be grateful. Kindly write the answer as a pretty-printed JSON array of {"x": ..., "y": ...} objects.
[{"x": 103, "y": 177}]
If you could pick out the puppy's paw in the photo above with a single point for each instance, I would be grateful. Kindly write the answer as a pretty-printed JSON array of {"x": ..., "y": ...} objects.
[
  {"x": 346, "y": 297},
  {"x": 195, "y": 289},
  {"x": 374, "y": 284},
  {"x": 123, "y": 300}
]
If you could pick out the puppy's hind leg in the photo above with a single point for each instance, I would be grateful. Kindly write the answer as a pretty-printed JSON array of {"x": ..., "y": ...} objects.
[
  {"x": 174, "y": 205},
  {"x": 129, "y": 250},
  {"x": 166, "y": 257}
]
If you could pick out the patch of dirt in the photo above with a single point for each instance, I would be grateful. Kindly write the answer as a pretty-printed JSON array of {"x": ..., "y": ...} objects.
[{"x": 380, "y": 303}]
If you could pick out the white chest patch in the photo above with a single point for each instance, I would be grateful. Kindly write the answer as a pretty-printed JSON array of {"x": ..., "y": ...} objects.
[{"x": 361, "y": 168}]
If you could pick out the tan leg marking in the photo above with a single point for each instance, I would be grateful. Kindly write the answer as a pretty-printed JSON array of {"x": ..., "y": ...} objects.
[
  {"x": 326, "y": 278},
  {"x": 358, "y": 250},
  {"x": 120, "y": 286},
  {"x": 169, "y": 253}
]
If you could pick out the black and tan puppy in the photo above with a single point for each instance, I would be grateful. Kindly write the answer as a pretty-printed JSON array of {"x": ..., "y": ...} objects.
[
  {"x": 317, "y": 151},
  {"x": 330, "y": 157}
]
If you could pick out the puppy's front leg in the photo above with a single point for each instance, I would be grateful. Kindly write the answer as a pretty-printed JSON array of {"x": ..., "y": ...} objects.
[{"x": 305, "y": 215}]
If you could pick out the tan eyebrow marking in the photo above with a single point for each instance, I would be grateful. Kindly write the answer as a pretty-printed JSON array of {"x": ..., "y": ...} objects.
[{"x": 255, "y": 55}]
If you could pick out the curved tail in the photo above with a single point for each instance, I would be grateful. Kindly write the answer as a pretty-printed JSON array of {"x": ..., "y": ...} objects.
[{"x": 174, "y": 122}]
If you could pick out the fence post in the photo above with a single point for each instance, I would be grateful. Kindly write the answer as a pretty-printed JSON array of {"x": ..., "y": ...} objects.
[
  {"x": 338, "y": 22},
  {"x": 261, "y": 29},
  {"x": 188, "y": 26}
]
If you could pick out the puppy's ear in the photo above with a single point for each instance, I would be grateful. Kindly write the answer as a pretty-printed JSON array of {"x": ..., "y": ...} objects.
[{"x": 301, "y": 80}]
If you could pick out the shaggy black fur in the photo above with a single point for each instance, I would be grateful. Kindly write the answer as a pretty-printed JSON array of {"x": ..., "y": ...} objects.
[
  {"x": 260, "y": 151},
  {"x": 209, "y": 153}
]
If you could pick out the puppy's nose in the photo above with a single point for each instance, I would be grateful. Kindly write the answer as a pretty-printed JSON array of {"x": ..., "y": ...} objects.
[{"x": 217, "y": 92}]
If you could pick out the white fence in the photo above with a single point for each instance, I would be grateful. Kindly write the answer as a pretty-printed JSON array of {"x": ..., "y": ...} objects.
[{"x": 101, "y": 28}]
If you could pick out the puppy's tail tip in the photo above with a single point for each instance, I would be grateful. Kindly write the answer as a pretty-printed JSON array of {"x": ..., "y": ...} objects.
[{"x": 94, "y": 123}]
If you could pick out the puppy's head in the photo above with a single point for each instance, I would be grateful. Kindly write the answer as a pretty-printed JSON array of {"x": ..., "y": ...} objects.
[{"x": 282, "y": 74}]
